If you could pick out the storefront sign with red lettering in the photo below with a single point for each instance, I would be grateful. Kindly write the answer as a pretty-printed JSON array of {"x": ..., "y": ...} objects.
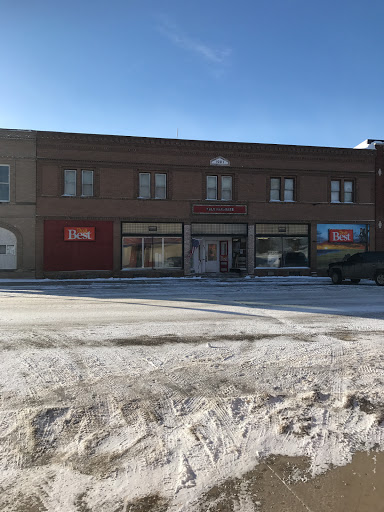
[
  {"x": 219, "y": 208},
  {"x": 340, "y": 235},
  {"x": 79, "y": 234}
]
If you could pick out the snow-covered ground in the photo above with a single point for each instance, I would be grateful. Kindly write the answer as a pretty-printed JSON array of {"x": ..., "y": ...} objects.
[{"x": 124, "y": 390}]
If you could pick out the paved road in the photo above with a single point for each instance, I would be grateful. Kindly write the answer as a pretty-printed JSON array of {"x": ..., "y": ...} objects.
[{"x": 157, "y": 393}]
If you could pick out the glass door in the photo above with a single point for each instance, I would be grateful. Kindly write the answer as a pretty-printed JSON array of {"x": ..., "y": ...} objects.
[{"x": 211, "y": 256}]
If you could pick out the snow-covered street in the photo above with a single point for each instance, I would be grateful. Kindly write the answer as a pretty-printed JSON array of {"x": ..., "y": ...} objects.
[{"x": 121, "y": 392}]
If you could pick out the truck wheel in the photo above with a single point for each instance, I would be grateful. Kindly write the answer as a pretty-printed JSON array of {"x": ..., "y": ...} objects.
[
  {"x": 355, "y": 281},
  {"x": 379, "y": 278},
  {"x": 336, "y": 277}
]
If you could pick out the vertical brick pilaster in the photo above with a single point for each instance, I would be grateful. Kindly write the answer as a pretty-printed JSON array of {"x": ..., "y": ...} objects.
[
  {"x": 116, "y": 246},
  {"x": 251, "y": 250},
  {"x": 187, "y": 249},
  {"x": 379, "y": 198},
  {"x": 313, "y": 246}
]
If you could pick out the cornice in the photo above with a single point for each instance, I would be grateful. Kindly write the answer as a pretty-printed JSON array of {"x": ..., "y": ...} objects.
[
  {"x": 93, "y": 142},
  {"x": 137, "y": 165},
  {"x": 17, "y": 134}
]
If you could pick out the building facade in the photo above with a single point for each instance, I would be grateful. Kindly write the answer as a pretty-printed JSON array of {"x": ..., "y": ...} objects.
[
  {"x": 17, "y": 203},
  {"x": 131, "y": 206}
]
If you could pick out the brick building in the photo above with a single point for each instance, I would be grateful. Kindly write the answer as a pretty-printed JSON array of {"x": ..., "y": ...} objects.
[
  {"x": 378, "y": 147},
  {"x": 17, "y": 203},
  {"x": 132, "y": 206}
]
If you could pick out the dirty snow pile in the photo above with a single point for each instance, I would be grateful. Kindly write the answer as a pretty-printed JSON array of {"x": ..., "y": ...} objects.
[{"x": 111, "y": 396}]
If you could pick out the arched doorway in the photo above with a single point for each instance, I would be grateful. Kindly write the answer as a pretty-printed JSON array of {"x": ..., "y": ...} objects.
[{"x": 8, "y": 250}]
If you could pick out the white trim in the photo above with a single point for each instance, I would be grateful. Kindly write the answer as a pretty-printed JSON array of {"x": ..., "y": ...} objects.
[{"x": 7, "y": 183}]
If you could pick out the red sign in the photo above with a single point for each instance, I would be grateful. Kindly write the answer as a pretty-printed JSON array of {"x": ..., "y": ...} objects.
[
  {"x": 219, "y": 208},
  {"x": 340, "y": 235},
  {"x": 79, "y": 234}
]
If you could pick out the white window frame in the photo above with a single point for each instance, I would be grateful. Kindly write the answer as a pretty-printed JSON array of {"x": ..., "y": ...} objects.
[
  {"x": 289, "y": 193},
  {"x": 274, "y": 181},
  {"x": 285, "y": 194},
  {"x": 210, "y": 188},
  {"x": 86, "y": 172},
  {"x": 7, "y": 183},
  {"x": 160, "y": 188},
  {"x": 227, "y": 188},
  {"x": 335, "y": 191},
  {"x": 68, "y": 172},
  {"x": 142, "y": 185},
  {"x": 352, "y": 192}
]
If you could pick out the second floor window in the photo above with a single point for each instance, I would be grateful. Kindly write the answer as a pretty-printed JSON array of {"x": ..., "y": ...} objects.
[
  {"x": 152, "y": 181},
  {"x": 4, "y": 183},
  {"x": 70, "y": 182},
  {"x": 87, "y": 183},
  {"x": 348, "y": 192},
  {"x": 342, "y": 191},
  {"x": 226, "y": 188},
  {"x": 282, "y": 189},
  {"x": 160, "y": 186},
  {"x": 212, "y": 187},
  {"x": 224, "y": 192}
]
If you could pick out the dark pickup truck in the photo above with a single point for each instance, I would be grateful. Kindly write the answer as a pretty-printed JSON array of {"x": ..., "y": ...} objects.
[{"x": 362, "y": 265}]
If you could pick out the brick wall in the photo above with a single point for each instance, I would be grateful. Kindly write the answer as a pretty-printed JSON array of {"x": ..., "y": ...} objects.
[
  {"x": 117, "y": 162},
  {"x": 18, "y": 150}
]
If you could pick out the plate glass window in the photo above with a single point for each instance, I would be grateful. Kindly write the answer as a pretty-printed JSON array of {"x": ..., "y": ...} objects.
[
  {"x": 160, "y": 186},
  {"x": 87, "y": 183},
  {"x": 145, "y": 185},
  {"x": 275, "y": 189},
  {"x": 69, "y": 182},
  {"x": 335, "y": 191},
  {"x": 152, "y": 252},
  {"x": 226, "y": 188},
  {"x": 289, "y": 189},
  {"x": 348, "y": 191},
  {"x": 4, "y": 182},
  {"x": 211, "y": 187}
]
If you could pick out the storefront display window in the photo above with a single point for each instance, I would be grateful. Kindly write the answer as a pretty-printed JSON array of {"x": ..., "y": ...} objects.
[
  {"x": 269, "y": 252},
  {"x": 282, "y": 251},
  {"x": 152, "y": 252},
  {"x": 338, "y": 241}
]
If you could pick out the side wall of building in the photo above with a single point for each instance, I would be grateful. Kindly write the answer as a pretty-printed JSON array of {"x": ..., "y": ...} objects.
[
  {"x": 379, "y": 199},
  {"x": 17, "y": 203}
]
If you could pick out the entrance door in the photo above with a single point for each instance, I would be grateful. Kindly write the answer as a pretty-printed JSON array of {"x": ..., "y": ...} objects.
[
  {"x": 8, "y": 253},
  {"x": 211, "y": 256},
  {"x": 224, "y": 256}
]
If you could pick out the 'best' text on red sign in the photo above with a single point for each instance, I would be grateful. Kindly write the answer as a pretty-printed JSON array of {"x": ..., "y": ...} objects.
[
  {"x": 79, "y": 234},
  {"x": 340, "y": 235}
]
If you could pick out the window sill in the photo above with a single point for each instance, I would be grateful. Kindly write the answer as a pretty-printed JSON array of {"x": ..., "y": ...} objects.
[
  {"x": 152, "y": 198},
  {"x": 280, "y": 268}
]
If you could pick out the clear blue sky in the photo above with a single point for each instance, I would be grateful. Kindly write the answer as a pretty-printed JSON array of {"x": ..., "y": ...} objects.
[{"x": 277, "y": 71}]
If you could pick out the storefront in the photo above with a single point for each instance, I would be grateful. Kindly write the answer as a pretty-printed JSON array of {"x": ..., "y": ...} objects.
[
  {"x": 218, "y": 248},
  {"x": 152, "y": 246},
  {"x": 75, "y": 245},
  {"x": 282, "y": 246},
  {"x": 338, "y": 241}
]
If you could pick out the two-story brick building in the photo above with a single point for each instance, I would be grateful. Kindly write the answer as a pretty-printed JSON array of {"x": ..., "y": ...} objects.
[{"x": 133, "y": 206}]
